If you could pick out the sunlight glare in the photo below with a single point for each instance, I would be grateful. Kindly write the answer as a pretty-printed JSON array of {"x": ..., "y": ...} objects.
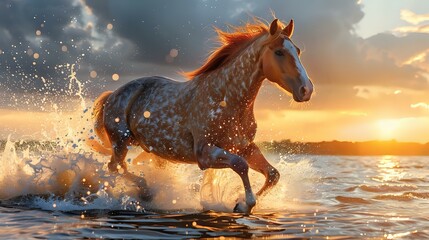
[
  {"x": 387, "y": 128},
  {"x": 389, "y": 169}
]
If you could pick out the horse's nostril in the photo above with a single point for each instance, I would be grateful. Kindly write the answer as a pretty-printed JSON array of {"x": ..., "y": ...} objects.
[{"x": 303, "y": 90}]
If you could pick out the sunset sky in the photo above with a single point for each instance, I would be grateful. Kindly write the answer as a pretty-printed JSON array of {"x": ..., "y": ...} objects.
[{"x": 369, "y": 61}]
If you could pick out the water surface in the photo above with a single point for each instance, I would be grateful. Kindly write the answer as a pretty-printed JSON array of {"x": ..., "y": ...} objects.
[{"x": 318, "y": 196}]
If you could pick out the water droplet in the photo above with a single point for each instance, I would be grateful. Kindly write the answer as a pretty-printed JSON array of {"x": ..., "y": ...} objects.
[
  {"x": 88, "y": 193},
  {"x": 146, "y": 114},
  {"x": 93, "y": 74},
  {"x": 106, "y": 184},
  {"x": 82, "y": 216},
  {"x": 115, "y": 77},
  {"x": 83, "y": 180},
  {"x": 174, "y": 52},
  {"x": 54, "y": 205},
  {"x": 109, "y": 26},
  {"x": 117, "y": 120}
]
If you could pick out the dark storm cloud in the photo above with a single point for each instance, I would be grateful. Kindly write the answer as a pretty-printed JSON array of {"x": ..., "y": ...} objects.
[
  {"x": 19, "y": 21},
  {"x": 22, "y": 17},
  {"x": 61, "y": 35},
  {"x": 155, "y": 27}
]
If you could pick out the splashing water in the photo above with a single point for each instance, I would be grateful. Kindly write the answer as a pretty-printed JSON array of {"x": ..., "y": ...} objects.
[
  {"x": 222, "y": 188},
  {"x": 65, "y": 174},
  {"x": 74, "y": 178}
]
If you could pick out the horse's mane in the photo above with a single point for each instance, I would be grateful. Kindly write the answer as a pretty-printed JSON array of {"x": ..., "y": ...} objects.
[{"x": 231, "y": 44}]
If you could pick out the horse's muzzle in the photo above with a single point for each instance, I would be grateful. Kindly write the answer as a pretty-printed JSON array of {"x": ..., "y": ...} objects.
[{"x": 303, "y": 93}]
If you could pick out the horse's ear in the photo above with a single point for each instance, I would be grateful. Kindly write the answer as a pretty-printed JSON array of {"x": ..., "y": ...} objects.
[
  {"x": 288, "y": 30},
  {"x": 274, "y": 26}
]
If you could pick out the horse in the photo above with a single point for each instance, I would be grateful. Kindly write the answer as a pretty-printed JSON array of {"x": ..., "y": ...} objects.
[{"x": 209, "y": 119}]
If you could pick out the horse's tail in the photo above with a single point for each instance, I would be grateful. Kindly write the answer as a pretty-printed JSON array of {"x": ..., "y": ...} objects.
[{"x": 98, "y": 116}]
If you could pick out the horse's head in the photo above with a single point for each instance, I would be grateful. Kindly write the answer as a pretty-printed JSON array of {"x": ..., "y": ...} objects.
[{"x": 281, "y": 63}]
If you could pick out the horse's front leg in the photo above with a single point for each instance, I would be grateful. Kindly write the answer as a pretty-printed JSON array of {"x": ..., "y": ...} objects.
[
  {"x": 210, "y": 156},
  {"x": 259, "y": 163}
]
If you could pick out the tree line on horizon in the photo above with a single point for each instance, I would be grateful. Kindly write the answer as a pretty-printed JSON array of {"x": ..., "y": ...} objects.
[{"x": 391, "y": 147}]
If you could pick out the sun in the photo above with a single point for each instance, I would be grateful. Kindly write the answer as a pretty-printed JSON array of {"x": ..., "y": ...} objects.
[{"x": 387, "y": 128}]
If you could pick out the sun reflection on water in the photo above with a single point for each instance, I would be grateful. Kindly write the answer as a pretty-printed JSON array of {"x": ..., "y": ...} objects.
[{"x": 389, "y": 169}]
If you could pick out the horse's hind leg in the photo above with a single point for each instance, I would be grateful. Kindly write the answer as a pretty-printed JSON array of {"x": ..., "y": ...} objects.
[
  {"x": 120, "y": 150},
  {"x": 117, "y": 162}
]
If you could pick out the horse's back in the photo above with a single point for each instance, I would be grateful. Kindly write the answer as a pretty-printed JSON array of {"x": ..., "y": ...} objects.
[
  {"x": 121, "y": 100},
  {"x": 152, "y": 110}
]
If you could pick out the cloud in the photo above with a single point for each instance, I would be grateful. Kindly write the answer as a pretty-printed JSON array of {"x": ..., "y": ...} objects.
[
  {"x": 413, "y": 18},
  {"x": 61, "y": 34},
  {"x": 412, "y": 29},
  {"x": 420, "y": 105},
  {"x": 155, "y": 28}
]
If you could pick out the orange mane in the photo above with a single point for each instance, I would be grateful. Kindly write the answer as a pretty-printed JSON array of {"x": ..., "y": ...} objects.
[{"x": 231, "y": 44}]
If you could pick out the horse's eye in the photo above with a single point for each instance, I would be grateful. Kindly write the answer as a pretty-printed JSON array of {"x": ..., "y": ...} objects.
[{"x": 279, "y": 53}]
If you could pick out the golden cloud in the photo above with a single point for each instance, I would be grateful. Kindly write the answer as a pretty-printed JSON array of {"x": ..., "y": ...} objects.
[
  {"x": 412, "y": 17},
  {"x": 412, "y": 29},
  {"x": 420, "y": 105}
]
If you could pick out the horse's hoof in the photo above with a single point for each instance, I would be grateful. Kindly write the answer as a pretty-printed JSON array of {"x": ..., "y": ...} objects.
[{"x": 242, "y": 207}]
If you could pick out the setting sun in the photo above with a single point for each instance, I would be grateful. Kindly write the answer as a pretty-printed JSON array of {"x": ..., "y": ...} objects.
[{"x": 387, "y": 128}]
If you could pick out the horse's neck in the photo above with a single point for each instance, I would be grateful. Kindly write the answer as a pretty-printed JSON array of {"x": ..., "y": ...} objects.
[{"x": 237, "y": 82}]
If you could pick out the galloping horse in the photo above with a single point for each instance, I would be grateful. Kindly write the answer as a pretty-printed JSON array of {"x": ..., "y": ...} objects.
[{"x": 209, "y": 119}]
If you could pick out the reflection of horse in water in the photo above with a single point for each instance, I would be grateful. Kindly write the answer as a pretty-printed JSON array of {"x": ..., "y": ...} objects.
[{"x": 208, "y": 120}]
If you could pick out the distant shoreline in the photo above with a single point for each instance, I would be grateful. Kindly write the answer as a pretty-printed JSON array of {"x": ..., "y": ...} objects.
[
  {"x": 336, "y": 148},
  {"x": 344, "y": 148}
]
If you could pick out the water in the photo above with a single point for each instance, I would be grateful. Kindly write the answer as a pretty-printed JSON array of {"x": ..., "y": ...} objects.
[{"x": 44, "y": 196}]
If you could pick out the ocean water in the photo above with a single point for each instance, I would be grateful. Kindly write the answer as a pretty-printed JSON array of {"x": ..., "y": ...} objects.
[{"x": 67, "y": 194}]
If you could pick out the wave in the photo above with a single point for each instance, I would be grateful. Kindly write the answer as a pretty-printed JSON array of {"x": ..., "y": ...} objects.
[
  {"x": 413, "y": 180},
  {"x": 407, "y": 196},
  {"x": 383, "y": 188},
  {"x": 352, "y": 200}
]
